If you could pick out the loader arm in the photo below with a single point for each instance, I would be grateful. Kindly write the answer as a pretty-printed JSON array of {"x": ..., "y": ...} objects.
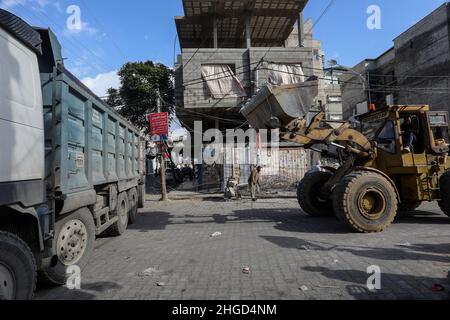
[{"x": 338, "y": 135}]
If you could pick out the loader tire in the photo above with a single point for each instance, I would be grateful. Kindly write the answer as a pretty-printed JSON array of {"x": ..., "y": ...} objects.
[
  {"x": 366, "y": 201},
  {"x": 72, "y": 246},
  {"x": 308, "y": 195},
  {"x": 444, "y": 204},
  {"x": 122, "y": 211},
  {"x": 17, "y": 268}
]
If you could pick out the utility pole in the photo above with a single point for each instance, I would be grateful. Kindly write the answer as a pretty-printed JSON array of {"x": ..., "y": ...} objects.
[{"x": 162, "y": 160}]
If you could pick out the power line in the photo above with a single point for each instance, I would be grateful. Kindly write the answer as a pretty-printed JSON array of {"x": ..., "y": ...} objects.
[
  {"x": 101, "y": 27},
  {"x": 72, "y": 41},
  {"x": 324, "y": 12}
]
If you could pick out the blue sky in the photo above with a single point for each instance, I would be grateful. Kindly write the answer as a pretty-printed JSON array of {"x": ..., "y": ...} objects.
[{"x": 114, "y": 32}]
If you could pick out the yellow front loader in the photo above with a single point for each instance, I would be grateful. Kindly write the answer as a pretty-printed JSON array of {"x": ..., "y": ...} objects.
[{"x": 378, "y": 175}]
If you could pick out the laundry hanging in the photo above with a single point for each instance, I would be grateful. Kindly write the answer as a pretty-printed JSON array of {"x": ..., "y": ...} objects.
[
  {"x": 280, "y": 74},
  {"x": 222, "y": 82}
]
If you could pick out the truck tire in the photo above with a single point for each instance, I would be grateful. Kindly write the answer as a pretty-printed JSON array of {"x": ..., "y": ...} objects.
[
  {"x": 366, "y": 201},
  {"x": 444, "y": 204},
  {"x": 133, "y": 201},
  {"x": 308, "y": 194},
  {"x": 122, "y": 210},
  {"x": 72, "y": 246},
  {"x": 17, "y": 268}
]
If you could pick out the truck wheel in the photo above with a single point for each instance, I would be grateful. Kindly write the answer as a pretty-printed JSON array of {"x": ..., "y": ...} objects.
[
  {"x": 17, "y": 268},
  {"x": 308, "y": 194},
  {"x": 444, "y": 204},
  {"x": 133, "y": 197},
  {"x": 72, "y": 245},
  {"x": 118, "y": 228},
  {"x": 366, "y": 201}
]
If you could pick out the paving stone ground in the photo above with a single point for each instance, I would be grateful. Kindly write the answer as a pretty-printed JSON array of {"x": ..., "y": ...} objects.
[{"x": 287, "y": 251}]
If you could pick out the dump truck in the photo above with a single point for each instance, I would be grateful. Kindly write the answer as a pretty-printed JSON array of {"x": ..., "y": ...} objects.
[
  {"x": 69, "y": 164},
  {"x": 378, "y": 175}
]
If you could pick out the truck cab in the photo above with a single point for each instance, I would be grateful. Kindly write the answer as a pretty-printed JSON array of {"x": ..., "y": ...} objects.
[{"x": 22, "y": 187}]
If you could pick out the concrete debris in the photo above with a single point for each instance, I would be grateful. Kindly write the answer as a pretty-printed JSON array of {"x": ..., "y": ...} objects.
[
  {"x": 246, "y": 270},
  {"x": 149, "y": 272},
  {"x": 304, "y": 288},
  {"x": 216, "y": 234}
]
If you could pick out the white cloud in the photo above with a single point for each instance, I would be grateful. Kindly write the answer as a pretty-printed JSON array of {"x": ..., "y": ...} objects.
[
  {"x": 84, "y": 28},
  {"x": 102, "y": 82}
]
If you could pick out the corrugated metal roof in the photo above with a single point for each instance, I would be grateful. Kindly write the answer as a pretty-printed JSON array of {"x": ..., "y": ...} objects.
[
  {"x": 21, "y": 30},
  {"x": 271, "y": 22}
]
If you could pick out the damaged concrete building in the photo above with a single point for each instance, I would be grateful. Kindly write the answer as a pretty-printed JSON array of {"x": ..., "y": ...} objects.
[
  {"x": 229, "y": 49},
  {"x": 416, "y": 70}
]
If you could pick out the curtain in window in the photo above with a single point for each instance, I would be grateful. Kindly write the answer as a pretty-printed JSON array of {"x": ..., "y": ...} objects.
[
  {"x": 280, "y": 74},
  {"x": 222, "y": 82}
]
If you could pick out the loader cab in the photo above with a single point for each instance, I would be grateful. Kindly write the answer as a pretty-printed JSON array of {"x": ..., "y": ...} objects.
[
  {"x": 387, "y": 126},
  {"x": 431, "y": 130}
]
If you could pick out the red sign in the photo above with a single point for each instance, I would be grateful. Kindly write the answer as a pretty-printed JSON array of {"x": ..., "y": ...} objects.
[{"x": 159, "y": 124}]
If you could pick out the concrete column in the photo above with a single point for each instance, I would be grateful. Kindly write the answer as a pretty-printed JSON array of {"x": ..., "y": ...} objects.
[
  {"x": 216, "y": 40},
  {"x": 248, "y": 31},
  {"x": 301, "y": 30}
]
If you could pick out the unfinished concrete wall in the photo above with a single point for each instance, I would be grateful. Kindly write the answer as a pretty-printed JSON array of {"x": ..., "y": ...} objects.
[
  {"x": 294, "y": 55},
  {"x": 195, "y": 92},
  {"x": 381, "y": 75},
  {"x": 422, "y": 56},
  {"x": 415, "y": 71}
]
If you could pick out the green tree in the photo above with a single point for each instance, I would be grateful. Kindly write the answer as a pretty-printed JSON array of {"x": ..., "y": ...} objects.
[
  {"x": 137, "y": 95},
  {"x": 113, "y": 98}
]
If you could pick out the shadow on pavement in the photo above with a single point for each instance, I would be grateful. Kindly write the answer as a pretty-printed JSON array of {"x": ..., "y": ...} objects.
[
  {"x": 417, "y": 217},
  {"x": 87, "y": 291},
  {"x": 404, "y": 284},
  {"x": 285, "y": 219},
  {"x": 411, "y": 252}
]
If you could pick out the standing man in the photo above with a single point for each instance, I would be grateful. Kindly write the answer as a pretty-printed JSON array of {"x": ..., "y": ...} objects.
[{"x": 254, "y": 181}]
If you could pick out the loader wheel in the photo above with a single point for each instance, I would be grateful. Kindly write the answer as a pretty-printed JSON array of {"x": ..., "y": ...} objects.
[
  {"x": 122, "y": 210},
  {"x": 133, "y": 211},
  {"x": 17, "y": 268},
  {"x": 444, "y": 204},
  {"x": 308, "y": 194},
  {"x": 72, "y": 246},
  {"x": 365, "y": 201}
]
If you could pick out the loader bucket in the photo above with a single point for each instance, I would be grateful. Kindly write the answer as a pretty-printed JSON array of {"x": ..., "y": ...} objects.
[{"x": 274, "y": 107}]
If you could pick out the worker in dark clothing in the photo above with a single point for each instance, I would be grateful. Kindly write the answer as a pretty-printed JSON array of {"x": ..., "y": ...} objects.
[
  {"x": 254, "y": 181},
  {"x": 409, "y": 134}
]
